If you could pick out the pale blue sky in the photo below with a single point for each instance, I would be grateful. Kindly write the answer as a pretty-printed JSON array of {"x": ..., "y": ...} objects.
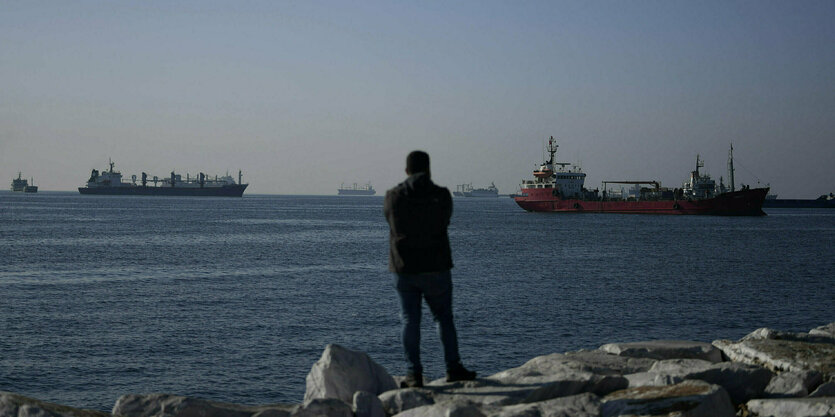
[{"x": 305, "y": 95}]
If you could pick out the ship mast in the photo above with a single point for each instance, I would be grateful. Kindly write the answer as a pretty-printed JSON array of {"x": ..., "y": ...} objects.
[
  {"x": 731, "y": 166},
  {"x": 552, "y": 150}
]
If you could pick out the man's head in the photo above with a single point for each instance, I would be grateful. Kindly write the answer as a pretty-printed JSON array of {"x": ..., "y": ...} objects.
[{"x": 417, "y": 162}]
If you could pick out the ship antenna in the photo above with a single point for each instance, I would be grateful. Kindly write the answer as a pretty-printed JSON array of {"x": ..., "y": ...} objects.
[{"x": 731, "y": 166}]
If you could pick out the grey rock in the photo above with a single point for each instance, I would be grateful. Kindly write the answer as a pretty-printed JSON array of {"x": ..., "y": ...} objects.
[
  {"x": 341, "y": 372},
  {"x": 581, "y": 405},
  {"x": 367, "y": 404},
  {"x": 166, "y": 405},
  {"x": 793, "y": 384},
  {"x": 793, "y": 407},
  {"x": 782, "y": 355},
  {"x": 323, "y": 407},
  {"x": 397, "y": 401},
  {"x": 557, "y": 375},
  {"x": 652, "y": 379},
  {"x": 825, "y": 330},
  {"x": 15, "y": 405},
  {"x": 686, "y": 399},
  {"x": 605, "y": 363},
  {"x": 444, "y": 410},
  {"x": 827, "y": 389},
  {"x": 665, "y": 349},
  {"x": 742, "y": 382},
  {"x": 276, "y": 412},
  {"x": 485, "y": 392}
]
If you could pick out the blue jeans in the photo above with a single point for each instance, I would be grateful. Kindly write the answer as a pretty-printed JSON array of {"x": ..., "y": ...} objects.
[{"x": 436, "y": 289}]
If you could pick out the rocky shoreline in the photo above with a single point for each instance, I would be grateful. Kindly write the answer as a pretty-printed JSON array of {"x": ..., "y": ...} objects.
[{"x": 766, "y": 373}]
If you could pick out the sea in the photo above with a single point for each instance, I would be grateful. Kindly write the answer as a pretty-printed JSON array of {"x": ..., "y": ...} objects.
[{"x": 234, "y": 299}]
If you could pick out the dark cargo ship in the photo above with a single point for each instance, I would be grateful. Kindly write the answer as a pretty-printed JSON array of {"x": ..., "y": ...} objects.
[
  {"x": 110, "y": 183},
  {"x": 824, "y": 201},
  {"x": 557, "y": 189}
]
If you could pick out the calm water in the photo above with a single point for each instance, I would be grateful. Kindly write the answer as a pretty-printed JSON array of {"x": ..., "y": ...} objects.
[{"x": 235, "y": 299}]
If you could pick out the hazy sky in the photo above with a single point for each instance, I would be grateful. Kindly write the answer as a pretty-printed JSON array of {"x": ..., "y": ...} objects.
[{"x": 303, "y": 96}]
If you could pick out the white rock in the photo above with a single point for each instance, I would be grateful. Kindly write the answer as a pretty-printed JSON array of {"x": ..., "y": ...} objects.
[
  {"x": 341, "y": 372},
  {"x": 686, "y": 399},
  {"x": 793, "y": 384},
  {"x": 15, "y": 405},
  {"x": 793, "y": 407},
  {"x": 581, "y": 405},
  {"x": 820, "y": 336},
  {"x": 665, "y": 349},
  {"x": 367, "y": 404}
]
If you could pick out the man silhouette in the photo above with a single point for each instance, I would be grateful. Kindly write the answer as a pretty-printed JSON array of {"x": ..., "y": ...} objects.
[{"x": 418, "y": 213}]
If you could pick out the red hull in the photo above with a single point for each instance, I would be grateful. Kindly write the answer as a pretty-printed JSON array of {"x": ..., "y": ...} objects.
[{"x": 738, "y": 203}]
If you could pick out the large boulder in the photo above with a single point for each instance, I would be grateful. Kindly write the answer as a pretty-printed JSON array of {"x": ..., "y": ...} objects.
[
  {"x": 782, "y": 355},
  {"x": 15, "y": 405},
  {"x": 397, "y": 401},
  {"x": 793, "y": 407},
  {"x": 166, "y": 405},
  {"x": 367, "y": 404},
  {"x": 741, "y": 381},
  {"x": 323, "y": 407},
  {"x": 557, "y": 375},
  {"x": 341, "y": 372},
  {"x": 686, "y": 399},
  {"x": 793, "y": 384},
  {"x": 665, "y": 349}
]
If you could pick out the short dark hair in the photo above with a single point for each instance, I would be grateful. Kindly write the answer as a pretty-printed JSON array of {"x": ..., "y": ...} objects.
[{"x": 417, "y": 161}]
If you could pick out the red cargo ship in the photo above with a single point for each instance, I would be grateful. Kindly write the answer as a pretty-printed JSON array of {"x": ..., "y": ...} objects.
[{"x": 556, "y": 188}]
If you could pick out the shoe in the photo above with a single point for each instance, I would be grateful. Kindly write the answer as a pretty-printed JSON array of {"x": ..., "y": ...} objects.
[
  {"x": 412, "y": 381},
  {"x": 459, "y": 373}
]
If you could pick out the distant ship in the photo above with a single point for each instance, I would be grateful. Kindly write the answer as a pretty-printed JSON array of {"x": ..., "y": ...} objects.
[
  {"x": 355, "y": 189},
  {"x": 557, "y": 189},
  {"x": 110, "y": 183},
  {"x": 467, "y": 190},
  {"x": 824, "y": 201},
  {"x": 21, "y": 184}
]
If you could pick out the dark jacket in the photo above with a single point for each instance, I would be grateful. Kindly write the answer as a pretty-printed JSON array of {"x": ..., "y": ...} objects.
[{"x": 418, "y": 213}]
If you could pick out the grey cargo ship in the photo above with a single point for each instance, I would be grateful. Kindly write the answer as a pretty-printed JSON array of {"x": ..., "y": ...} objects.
[{"x": 110, "y": 183}]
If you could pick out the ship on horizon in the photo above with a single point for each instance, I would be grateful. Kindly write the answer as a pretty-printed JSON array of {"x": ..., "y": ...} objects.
[
  {"x": 110, "y": 183},
  {"x": 556, "y": 188},
  {"x": 21, "y": 184},
  {"x": 355, "y": 189},
  {"x": 467, "y": 190}
]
